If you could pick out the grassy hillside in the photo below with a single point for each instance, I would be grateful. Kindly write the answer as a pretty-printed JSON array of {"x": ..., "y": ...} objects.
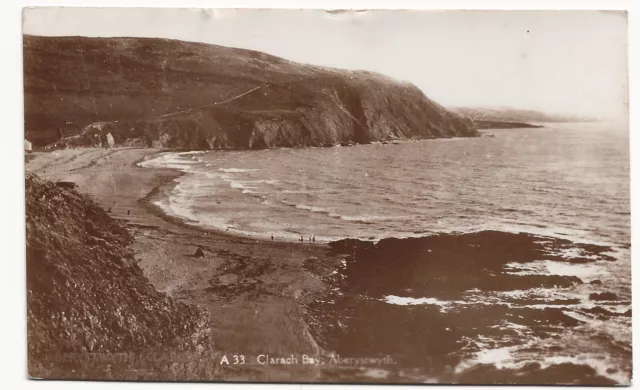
[
  {"x": 176, "y": 94},
  {"x": 86, "y": 296}
]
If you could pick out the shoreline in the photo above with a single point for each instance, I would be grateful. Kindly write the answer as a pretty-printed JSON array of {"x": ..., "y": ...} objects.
[
  {"x": 147, "y": 201},
  {"x": 273, "y": 298},
  {"x": 157, "y": 210},
  {"x": 255, "y": 290}
]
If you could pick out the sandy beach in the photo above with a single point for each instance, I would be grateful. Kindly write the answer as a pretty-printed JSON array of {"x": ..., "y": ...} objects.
[
  {"x": 255, "y": 291},
  {"x": 416, "y": 304}
]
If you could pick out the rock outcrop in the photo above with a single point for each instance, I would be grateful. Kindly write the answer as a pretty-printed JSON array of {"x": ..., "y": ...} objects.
[
  {"x": 85, "y": 291},
  {"x": 185, "y": 95}
]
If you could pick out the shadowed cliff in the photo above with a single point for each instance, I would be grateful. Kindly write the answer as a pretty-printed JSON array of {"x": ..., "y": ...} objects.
[
  {"x": 86, "y": 294},
  {"x": 175, "y": 94}
]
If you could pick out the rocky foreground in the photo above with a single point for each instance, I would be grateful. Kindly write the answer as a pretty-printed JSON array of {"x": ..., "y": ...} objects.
[
  {"x": 424, "y": 309},
  {"x": 253, "y": 292},
  {"x": 469, "y": 309},
  {"x": 86, "y": 295},
  {"x": 185, "y": 95}
]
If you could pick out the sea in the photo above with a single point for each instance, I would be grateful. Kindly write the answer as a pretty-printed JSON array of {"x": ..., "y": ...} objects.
[{"x": 565, "y": 181}]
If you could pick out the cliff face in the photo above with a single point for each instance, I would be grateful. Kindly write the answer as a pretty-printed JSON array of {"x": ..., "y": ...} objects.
[
  {"x": 85, "y": 292},
  {"x": 166, "y": 93}
]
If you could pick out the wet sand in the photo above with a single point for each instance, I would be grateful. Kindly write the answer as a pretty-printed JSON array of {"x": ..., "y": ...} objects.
[{"x": 254, "y": 290}]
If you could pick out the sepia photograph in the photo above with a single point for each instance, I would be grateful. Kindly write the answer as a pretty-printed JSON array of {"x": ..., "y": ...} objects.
[{"x": 327, "y": 196}]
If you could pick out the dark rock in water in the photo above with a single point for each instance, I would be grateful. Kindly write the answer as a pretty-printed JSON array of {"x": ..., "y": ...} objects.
[
  {"x": 66, "y": 184},
  {"x": 419, "y": 336},
  {"x": 627, "y": 313},
  {"x": 444, "y": 265},
  {"x": 596, "y": 282},
  {"x": 423, "y": 301},
  {"x": 545, "y": 301},
  {"x": 199, "y": 253},
  {"x": 602, "y": 313},
  {"x": 605, "y": 296},
  {"x": 349, "y": 245}
]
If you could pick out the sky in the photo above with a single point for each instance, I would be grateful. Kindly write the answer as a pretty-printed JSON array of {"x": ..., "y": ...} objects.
[{"x": 564, "y": 62}]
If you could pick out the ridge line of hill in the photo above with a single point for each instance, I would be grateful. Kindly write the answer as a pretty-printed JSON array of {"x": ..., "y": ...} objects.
[{"x": 150, "y": 92}]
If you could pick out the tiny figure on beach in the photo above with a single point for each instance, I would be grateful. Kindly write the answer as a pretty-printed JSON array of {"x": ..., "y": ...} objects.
[
  {"x": 128, "y": 212},
  {"x": 301, "y": 238},
  {"x": 309, "y": 238},
  {"x": 314, "y": 238},
  {"x": 272, "y": 237}
]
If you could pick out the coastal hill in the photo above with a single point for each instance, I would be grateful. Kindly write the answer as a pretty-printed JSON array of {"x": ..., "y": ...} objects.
[
  {"x": 507, "y": 117},
  {"x": 86, "y": 294},
  {"x": 186, "y": 95}
]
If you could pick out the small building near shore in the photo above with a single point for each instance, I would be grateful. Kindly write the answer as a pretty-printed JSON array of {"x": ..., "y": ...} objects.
[
  {"x": 27, "y": 146},
  {"x": 110, "y": 141}
]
